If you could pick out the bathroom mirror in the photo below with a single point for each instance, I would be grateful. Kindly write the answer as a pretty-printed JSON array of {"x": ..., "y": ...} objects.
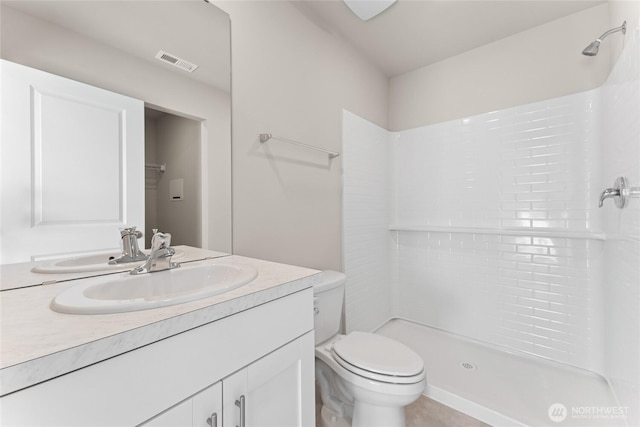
[{"x": 148, "y": 51}]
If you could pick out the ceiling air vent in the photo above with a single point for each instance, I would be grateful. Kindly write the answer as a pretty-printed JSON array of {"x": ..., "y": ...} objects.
[{"x": 175, "y": 61}]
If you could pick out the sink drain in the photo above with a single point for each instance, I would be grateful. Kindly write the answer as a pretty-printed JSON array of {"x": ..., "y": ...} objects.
[{"x": 468, "y": 366}]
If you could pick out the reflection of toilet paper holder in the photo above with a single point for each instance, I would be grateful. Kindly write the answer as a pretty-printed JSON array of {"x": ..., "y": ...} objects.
[{"x": 620, "y": 192}]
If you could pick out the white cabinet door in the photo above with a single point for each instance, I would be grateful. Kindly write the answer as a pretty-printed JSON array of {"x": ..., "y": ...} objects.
[
  {"x": 277, "y": 389},
  {"x": 234, "y": 392},
  {"x": 180, "y": 415},
  {"x": 207, "y": 407},
  {"x": 201, "y": 410},
  {"x": 71, "y": 165}
]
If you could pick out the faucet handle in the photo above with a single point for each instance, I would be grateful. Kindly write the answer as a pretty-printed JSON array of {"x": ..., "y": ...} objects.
[
  {"x": 160, "y": 256},
  {"x": 127, "y": 230},
  {"x": 129, "y": 245},
  {"x": 608, "y": 193},
  {"x": 160, "y": 240},
  {"x": 619, "y": 192},
  {"x": 130, "y": 231}
]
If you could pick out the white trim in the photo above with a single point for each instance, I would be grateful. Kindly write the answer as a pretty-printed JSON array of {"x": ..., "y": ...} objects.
[{"x": 550, "y": 232}]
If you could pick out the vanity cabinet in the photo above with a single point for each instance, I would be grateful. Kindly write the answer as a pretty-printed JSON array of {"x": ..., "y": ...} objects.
[
  {"x": 268, "y": 392},
  {"x": 264, "y": 354}
]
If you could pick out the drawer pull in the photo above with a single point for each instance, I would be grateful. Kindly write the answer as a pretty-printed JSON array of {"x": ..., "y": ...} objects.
[
  {"x": 213, "y": 420},
  {"x": 240, "y": 403}
]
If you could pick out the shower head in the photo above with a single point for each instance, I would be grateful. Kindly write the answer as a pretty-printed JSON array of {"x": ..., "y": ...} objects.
[{"x": 592, "y": 49}]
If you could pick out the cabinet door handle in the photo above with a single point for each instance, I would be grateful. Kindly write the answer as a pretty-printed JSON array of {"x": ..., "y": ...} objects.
[
  {"x": 213, "y": 420},
  {"x": 240, "y": 404}
]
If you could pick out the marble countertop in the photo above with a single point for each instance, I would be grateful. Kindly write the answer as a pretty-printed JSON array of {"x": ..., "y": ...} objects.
[{"x": 37, "y": 344}]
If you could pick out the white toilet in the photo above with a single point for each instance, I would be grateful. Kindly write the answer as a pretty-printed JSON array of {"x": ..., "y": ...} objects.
[{"x": 364, "y": 379}]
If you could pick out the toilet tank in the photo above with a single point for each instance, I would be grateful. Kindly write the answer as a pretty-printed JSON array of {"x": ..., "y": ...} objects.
[{"x": 328, "y": 295}]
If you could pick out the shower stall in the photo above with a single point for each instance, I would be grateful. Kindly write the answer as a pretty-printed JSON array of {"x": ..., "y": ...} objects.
[{"x": 480, "y": 244}]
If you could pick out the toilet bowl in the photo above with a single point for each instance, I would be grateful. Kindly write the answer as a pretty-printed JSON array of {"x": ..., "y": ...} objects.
[{"x": 365, "y": 379}]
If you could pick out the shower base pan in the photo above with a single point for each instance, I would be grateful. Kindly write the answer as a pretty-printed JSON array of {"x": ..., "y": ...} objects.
[{"x": 505, "y": 388}]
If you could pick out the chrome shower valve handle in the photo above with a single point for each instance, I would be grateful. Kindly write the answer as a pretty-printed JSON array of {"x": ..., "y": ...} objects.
[{"x": 620, "y": 192}]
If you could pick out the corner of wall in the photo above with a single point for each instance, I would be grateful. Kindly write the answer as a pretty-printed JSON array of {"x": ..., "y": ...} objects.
[{"x": 620, "y": 11}]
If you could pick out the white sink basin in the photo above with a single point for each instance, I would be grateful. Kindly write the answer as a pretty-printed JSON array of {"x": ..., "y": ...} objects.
[
  {"x": 124, "y": 292},
  {"x": 90, "y": 263}
]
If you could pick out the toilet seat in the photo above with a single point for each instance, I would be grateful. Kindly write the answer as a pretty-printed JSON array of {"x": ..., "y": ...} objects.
[
  {"x": 325, "y": 354},
  {"x": 378, "y": 358}
]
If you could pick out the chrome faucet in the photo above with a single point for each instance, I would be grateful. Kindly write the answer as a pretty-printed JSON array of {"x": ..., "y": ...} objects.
[
  {"x": 620, "y": 192},
  {"x": 160, "y": 255},
  {"x": 130, "y": 250},
  {"x": 607, "y": 194}
]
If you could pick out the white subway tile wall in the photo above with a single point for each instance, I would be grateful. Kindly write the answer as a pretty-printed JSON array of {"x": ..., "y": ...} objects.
[
  {"x": 528, "y": 166},
  {"x": 366, "y": 214},
  {"x": 621, "y": 157},
  {"x": 534, "y": 166},
  {"x": 537, "y": 295}
]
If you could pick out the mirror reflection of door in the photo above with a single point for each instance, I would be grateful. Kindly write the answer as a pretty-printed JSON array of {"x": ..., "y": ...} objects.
[
  {"x": 71, "y": 165},
  {"x": 172, "y": 177}
]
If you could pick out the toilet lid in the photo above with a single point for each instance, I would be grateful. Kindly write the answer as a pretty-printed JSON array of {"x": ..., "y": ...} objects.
[{"x": 378, "y": 354}]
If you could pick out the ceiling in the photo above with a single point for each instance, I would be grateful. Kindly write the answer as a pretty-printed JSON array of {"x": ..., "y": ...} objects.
[
  {"x": 409, "y": 35},
  {"x": 415, "y": 33}
]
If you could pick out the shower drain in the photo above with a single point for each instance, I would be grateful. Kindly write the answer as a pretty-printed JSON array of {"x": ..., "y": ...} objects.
[{"x": 468, "y": 366}]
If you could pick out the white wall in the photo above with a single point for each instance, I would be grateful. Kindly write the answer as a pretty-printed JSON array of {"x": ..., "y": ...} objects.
[
  {"x": 621, "y": 157},
  {"x": 367, "y": 165},
  {"x": 620, "y": 11},
  {"x": 541, "y": 63},
  {"x": 51, "y": 48},
  {"x": 291, "y": 78}
]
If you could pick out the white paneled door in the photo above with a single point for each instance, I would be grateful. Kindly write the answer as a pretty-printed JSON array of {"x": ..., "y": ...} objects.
[{"x": 72, "y": 165}]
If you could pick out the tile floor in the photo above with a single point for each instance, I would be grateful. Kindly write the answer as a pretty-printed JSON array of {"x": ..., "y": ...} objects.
[{"x": 425, "y": 412}]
